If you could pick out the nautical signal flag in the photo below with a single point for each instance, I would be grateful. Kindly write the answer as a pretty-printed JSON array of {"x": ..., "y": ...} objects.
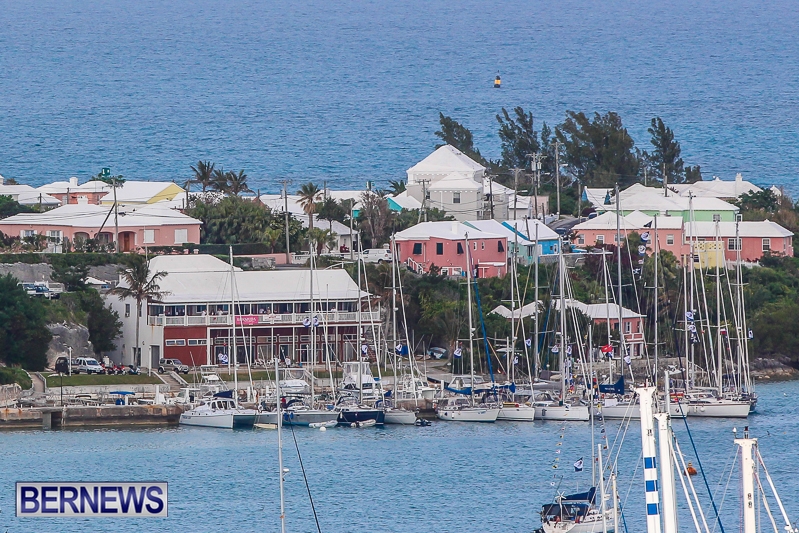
[
  {"x": 578, "y": 466},
  {"x": 607, "y": 348}
]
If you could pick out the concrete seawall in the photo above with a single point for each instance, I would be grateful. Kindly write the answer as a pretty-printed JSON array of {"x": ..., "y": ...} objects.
[{"x": 90, "y": 416}]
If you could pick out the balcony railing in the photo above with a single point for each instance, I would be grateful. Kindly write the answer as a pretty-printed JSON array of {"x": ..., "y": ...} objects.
[{"x": 336, "y": 317}]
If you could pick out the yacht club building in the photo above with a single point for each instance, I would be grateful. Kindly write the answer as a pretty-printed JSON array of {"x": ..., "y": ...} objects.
[{"x": 195, "y": 320}]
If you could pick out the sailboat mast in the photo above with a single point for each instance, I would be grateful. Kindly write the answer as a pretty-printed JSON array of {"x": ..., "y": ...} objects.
[
  {"x": 718, "y": 314},
  {"x": 606, "y": 279},
  {"x": 691, "y": 363},
  {"x": 312, "y": 324},
  {"x": 562, "y": 351},
  {"x": 233, "y": 329},
  {"x": 394, "y": 267},
  {"x": 359, "y": 350},
  {"x": 469, "y": 306},
  {"x": 618, "y": 271},
  {"x": 280, "y": 450},
  {"x": 535, "y": 344},
  {"x": 657, "y": 258}
]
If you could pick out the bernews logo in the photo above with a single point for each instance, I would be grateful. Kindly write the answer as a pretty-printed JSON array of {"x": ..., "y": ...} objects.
[{"x": 57, "y": 499}]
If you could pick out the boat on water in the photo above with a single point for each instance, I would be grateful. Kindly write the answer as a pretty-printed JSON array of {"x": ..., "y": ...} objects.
[
  {"x": 549, "y": 407},
  {"x": 394, "y": 415},
  {"x": 358, "y": 380},
  {"x": 516, "y": 412},
  {"x": 707, "y": 404},
  {"x": 220, "y": 411},
  {"x": 576, "y": 513},
  {"x": 350, "y": 411},
  {"x": 296, "y": 413},
  {"x": 456, "y": 409}
]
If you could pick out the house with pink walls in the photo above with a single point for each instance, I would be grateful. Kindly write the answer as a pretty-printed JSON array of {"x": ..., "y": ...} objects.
[
  {"x": 149, "y": 225},
  {"x": 602, "y": 313},
  {"x": 444, "y": 244},
  {"x": 755, "y": 238}
]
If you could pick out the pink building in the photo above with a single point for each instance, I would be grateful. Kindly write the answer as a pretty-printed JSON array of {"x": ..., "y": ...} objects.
[
  {"x": 755, "y": 238},
  {"x": 151, "y": 225},
  {"x": 443, "y": 244},
  {"x": 601, "y": 313}
]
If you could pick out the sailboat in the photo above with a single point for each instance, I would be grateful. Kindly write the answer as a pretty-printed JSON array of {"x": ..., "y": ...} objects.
[
  {"x": 464, "y": 408},
  {"x": 548, "y": 407}
]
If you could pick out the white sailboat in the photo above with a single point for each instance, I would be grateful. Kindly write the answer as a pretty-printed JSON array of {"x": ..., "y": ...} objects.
[{"x": 463, "y": 409}]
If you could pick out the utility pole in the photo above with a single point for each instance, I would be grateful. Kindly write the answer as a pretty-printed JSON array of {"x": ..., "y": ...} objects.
[
  {"x": 424, "y": 201},
  {"x": 286, "y": 213},
  {"x": 645, "y": 175},
  {"x": 535, "y": 166},
  {"x": 665, "y": 181},
  {"x": 491, "y": 195},
  {"x": 116, "y": 218},
  {"x": 557, "y": 174},
  {"x": 515, "y": 190}
]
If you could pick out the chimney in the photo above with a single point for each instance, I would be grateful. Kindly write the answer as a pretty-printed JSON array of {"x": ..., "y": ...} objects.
[
  {"x": 739, "y": 177},
  {"x": 73, "y": 181},
  {"x": 1, "y": 180}
]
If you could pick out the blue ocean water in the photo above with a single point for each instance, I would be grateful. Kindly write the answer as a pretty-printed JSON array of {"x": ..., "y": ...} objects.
[
  {"x": 449, "y": 477},
  {"x": 351, "y": 90}
]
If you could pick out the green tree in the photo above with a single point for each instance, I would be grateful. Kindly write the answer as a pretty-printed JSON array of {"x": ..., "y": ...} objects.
[
  {"x": 236, "y": 183},
  {"x": 141, "y": 285},
  {"x": 321, "y": 239},
  {"x": 10, "y": 207},
  {"x": 518, "y": 136},
  {"x": 72, "y": 276},
  {"x": 330, "y": 210},
  {"x": 375, "y": 218},
  {"x": 272, "y": 237},
  {"x": 102, "y": 322},
  {"x": 666, "y": 153},
  {"x": 24, "y": 336},
  {"x": 203, "y": 174},
  {"x": 598, "y": 152},
  {"x": 236, "y": 220},
  {"x": 309, "y": 196},
  {"x": 693, "y": 174},
  {"x": 458, "y": 136}
]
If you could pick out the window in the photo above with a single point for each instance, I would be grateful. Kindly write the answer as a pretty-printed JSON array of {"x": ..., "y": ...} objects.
[
  {"x": 766, "y": 245},
  {"x": 731, "y": 244},
  {"x": 627, "y": 327},
  {"x": 149, "y": 236},
  {"x": 175, "y": 342},
  {"x": 670, "y": 239},
  {"x": 474, "y": 245},
  {"x": 460, "y": 248},
  {"x": 600, "y": 239},
  {"x": 181, "y": 236},
  {"x": 615, "y": 237},
  {"x": 445, "y": 271},
  {"x": 417, "y": 248},
  {"x": 716, "y": 217},
  {"x": 456, "y": 198},
  {"x": 198, "y": 342},
  {"x": 127, "y": 309},
  {"x": 482, "y": 245},
  {"x": 581, "y": 239},
  {"x": 500, "y": 247},
  {"x": 439, "y": 248},
  {"x": 27, "y": 233},
  {"x": 54, "y": 235}
]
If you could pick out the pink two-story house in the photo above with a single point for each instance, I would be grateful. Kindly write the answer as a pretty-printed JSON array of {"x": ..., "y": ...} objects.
[{"x": 451, "y": 246}]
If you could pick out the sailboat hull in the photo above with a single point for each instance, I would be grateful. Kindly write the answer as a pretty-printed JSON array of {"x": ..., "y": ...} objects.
[
  {"x": 591, "y": 524},
  {"x": 576, "y": 413},
  {"x": 299, "y": 418},
  {"x": 218, "y": 420},
  {"x": 476, "y": 414},
  {"x": 347, "y": 417},
  {"x": 710, "y": 409},
  {"x": 400, "y": 416},
  {"x": 520, "y": 413},
  {"x": 633, "y": 412}
]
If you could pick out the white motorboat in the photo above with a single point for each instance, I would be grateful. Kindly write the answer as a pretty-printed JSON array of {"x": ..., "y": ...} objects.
[
  {"x": 461, "y": 410},
  {"x": 298, "y": 415},
  {"x": 399, "y": 416},
  {"x": 411, "y": 387},
  {"x": 358, "y": 380},
  {"x": 219, "y": 412},
  {"x": 706, "y": 404},
  {"x": 517, "y": 412}
]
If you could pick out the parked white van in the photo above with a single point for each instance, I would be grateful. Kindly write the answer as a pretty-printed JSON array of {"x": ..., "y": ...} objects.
[
  {"x": 377, "y": 255},
  {"x": 88, "y": 365}
]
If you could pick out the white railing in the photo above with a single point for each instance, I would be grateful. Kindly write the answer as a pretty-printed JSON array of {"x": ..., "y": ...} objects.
[
  {"x": 416, "y": 267},
  {"x": 335, "y": 317}
]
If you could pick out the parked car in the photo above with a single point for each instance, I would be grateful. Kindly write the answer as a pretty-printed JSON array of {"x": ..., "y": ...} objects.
[
  {"x": 172, "y": 365},
  {"x": 88, "y": 365},
  {"x": 377, "y": 255},
  {"x": 62, "y": 365}
]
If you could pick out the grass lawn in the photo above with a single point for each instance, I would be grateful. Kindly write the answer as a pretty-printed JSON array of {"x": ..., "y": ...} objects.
[{"x": 54, "y": 380}]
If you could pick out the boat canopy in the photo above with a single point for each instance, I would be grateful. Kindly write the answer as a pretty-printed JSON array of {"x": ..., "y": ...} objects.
[
  {"x": 581, "y": 496},
  {"x": 616, "y": 388}
]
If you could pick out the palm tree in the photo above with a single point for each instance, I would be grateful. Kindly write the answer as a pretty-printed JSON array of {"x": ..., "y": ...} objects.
[
  {"x": 331, "y": 210},
  {"x": 220, "y": 181},
  {"x": 139, "y": 284},
  {"x": 237, "y": 183},
  {"x": 396, "y": 187},
  {"x": 204, "y": 174},
  {"x": 321, "y": 238},
  {"x": 309, "y": 195},
  {"x": 272, "y": 236}
]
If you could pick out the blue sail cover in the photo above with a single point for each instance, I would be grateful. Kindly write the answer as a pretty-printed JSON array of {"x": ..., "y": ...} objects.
[
  {"x": 616, "y": 388},
  {"x": 581, "y": 496}
]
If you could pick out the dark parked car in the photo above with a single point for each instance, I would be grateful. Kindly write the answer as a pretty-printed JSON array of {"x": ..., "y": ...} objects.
[{"x": 62, "y": 365}]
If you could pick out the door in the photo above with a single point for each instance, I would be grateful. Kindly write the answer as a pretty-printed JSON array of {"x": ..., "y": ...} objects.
[{"x": 155, "y": 355}]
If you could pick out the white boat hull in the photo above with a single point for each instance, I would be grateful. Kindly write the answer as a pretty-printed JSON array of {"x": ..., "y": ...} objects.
[
  {"x": 400, "y": 416},
  {"x": 218, "y": 420},
  {"x": 633, "y": 412},
  {"x": 592, "y": 524},
  {"x": 521, "y": 413},
  {"x": 469, "y": 414},
  {"x": 299, "y": 418},
  {"x": 575, "y": 413},
  {"x": 724, "y": 409}
]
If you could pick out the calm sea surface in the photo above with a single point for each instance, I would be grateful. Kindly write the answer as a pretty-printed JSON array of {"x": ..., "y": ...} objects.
[
  {"x": 349, "y": 90},
  {"x": 445, "y": 478}
]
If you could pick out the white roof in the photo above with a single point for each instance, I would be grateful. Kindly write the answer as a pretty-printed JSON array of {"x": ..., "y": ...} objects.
[
  {"x": 523, "y": 312},
  {"x": 199, "y": 278},
  {"x": 455, "y": 181},
  {"x": 139, "y": 191},
  {"x": 276, "y": 202},
  {"x": 406, "y": 202},
  {"x": 654, "y": 200},
  {"x": 763, "y": 228},
  {"x": 443, "y": 230},
  {"x": 606, "y": 221},
  {"x": 27, "y": 195},
  {"x": 601, "y": 311},
  {"x": 446, "y": 159},
  {"x": 492, "y": 226},
  {"x": 338, "y": 227},
  {"x": 93, "y": 216},
  {"x": 640, "y": 220},
  {"x": 717, "y": 188},
  {"x": 597, "y": 196},
  {"x": 59, "y": 187},
  {"x": 545, "y": 233}
]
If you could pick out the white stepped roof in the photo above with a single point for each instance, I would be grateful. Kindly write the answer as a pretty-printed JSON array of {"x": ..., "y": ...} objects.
[
  {"x": 545, "y": 233},
  {"x": 406, "y": 202},
  {"x": 606, "y": 221},
  {"x": 526, "y": 310},
  {"x": 639, "y": 219},
  {"x": 601, "y": 311},
  {"x": 763, "y": 228},
  {"x": 446, "y": 159},
  {"x": 455, "y": 182},
  {"x": 203, "y": 278},
  {"x": 717, "y": 188},
  {"x": 443, "y": 230},
  {"x": 93, "y": 216},
  {"x": 27, "y": 195},
  {"x": 492, "y": 226}
]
